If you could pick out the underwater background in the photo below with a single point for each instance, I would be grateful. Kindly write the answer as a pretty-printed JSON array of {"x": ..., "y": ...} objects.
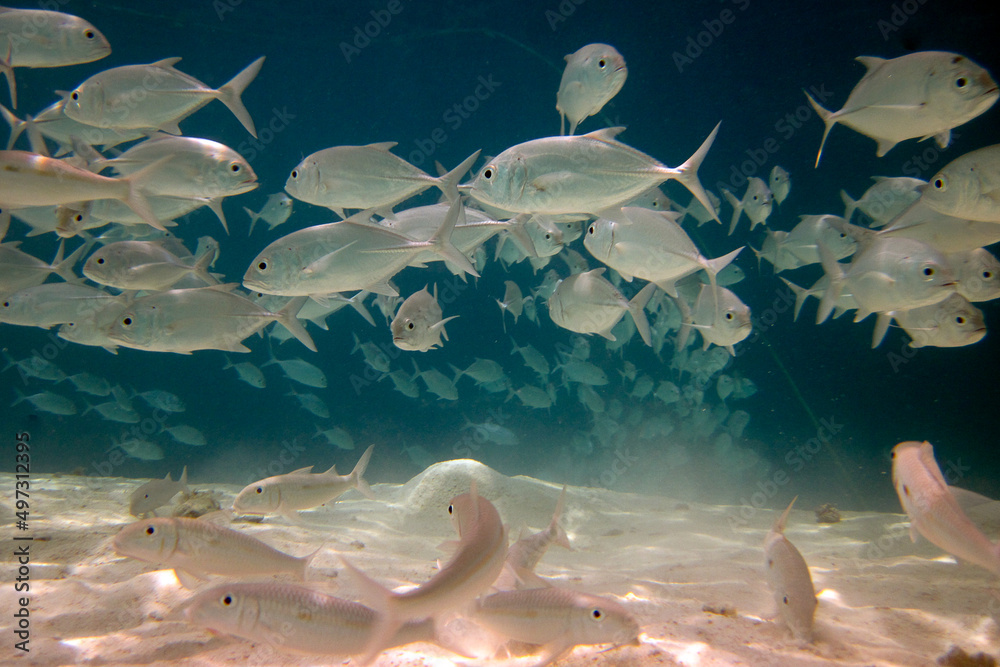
[{"x": 316, "y": 91}]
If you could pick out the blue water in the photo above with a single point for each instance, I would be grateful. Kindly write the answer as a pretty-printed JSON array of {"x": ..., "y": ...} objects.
[{"x": 314, "y": 92}]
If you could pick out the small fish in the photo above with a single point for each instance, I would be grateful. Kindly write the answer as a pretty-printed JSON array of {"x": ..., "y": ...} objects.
[
  {"x": 477, "y": 561},
  {"x": 534, "y": 397},
  {"x": 89, "y": 383},
  {"x": 557, "y": 619},
  {"x": 524, "y": 555},
  {"x": 492, "y": 432},
  {"x": 953, "y": 322},
  {"x": 374, "y": 356},
  {"x": 513, "y": 302},
  {"x": 437, "y": 383},
  {"x": 47, "y": 401},
  {"x": 977, "y": 273},
  {"x": 162, "y": 400},
  {"x": 247, "y": 372},
  {"x": 718, "y": 315},
  {"x": 299, "y": 371},
  {"x": 51, "y": 123},
  {"x": 757, "y": 203},
  {"x": 336, "y": 436},
  {"x": 403, "y": 383},
  {"x": 154, "y": 97},
  {"x": 885, "y": 200},
  {"x": 790, "y": 581},
  {"x": 780, "y": 183},
  {"x": 483, "y": 371},
  {"x": 144, "y": 265},
  {"x": 593, "y": 75},
  {"x": 579, "y": 174},
  {"x": 156, "y": 493},
  {"x": 54, "y": 303},
  {"x": 113, "y": 411},
  {"x": 813, "y": 231},
  {"x": 293, "y": 618},
  {"x": 302, "y": 489},
  {"x": 923, "y": 94},
  {"x": 276, "y": 210},
  {"x": 533, "y": 359},
  {"x": 140, "y": 449},
  {"x": 418, "y": 325},
  {"x": 588, "y": 303},
  {"x": 967, "y": 187},
  {"x": 366, "y": 177},
  {"x": 312, "y": 403},
  {"x": 198, "y": 547},
  {"x": 41, "y": 38},
  {"x": 933, "y": 510},
  {"x": 35, "y": 366},
  {"x": 187, "y": 435}
]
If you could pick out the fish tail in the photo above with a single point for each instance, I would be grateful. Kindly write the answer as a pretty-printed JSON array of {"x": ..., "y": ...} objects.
[
  {"x": 358, "y": 303},
  {"x": 782, "y": 521},
  {"x": 379, "y": 598},
  {"x": 64, "y": 267},
  {"x": 714, "y": 266},
  {"x": 737, "y": 209},
  {"x": 850, "y": 205},
  {"x": 8, "y": 71},
  {"x": 882, "y": 322},
  {"x": 200, "y": 268},
  {"x": 441, "y": 241},
  {"x": 17, "y": 126},
  {"x": 306, "y": 562},
  {"x": 288, "y": 318},
  {"x": 230, "y": 94},
  {"x": 20, "y": 394},
  {"x": 136, "y": 200},
  {"x": 801, "y": 294},
  {"x": 360, "y": 483},
  {"x": 254, "y": 217},
  {"x": 636, "y": 308},
  {"x": 828, "y": 124},
  {"x": 687, "y": 173},
  {"x": 449, "y": 182}
]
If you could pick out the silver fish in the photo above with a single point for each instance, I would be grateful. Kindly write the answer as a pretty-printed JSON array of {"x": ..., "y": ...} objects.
[
  {"x": 312, "y": 403},
  {"x": 247, "y": 372},
  {"x": 418, "y": 325},
  {"x": 144, "y": 265},
  {"x": 159, "y": 400},
  {"x": 483, "y": 371},
  {"x": 780, "y": 183},
  {"x": 156, "y": 493},
  {"x": 968, "y": 187},
  {"x": 47, "y": 401},
  {"x": 953, "y": 322},
  {"x": 790, "y": 581},
  {"x": 524, "y": 555},
  {"x": 42, "y": 38},
  {"x": 593, "y": 75},
  {"x": 90, "y": 384},
  {"x": 276, "y": 210},
  {"x": 154, "y": 97},
  {"x": 19, "y": 270},
  {"x": 54, "y": 303},
  {"x": 512, "y": 302},
  {"x": 187, "y": 435},
  {"x": 757, "y": 203},
  {"x": 299, "y": 371},
  {"x": 885, "y": 200},
  {"x": 718, "y": 315},
  {"x": 583, "y": 174},
  {"x": 51, "y": 123},
  {"x": 977, "y": 273},
  {"x": 336, "y": 436},
  {"x": 588, "y": 303},
  {"x": 302, "y": 489},
  {"x": 437, "y": 383},
  {"x": 923, "y": 94}
]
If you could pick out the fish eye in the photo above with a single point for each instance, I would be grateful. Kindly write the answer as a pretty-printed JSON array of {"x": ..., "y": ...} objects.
[
  {"x": 729, "y": 317},
  {"x": 127, "y": 321},
  {"x": 89, "y": 34},
  {"x": 409, "y": 325},
  {"x": 596, "y": 614},
  {"x": 488, "y": 172},
  {"x": 100, "y": 260},
  {"x": 548, "y": 237},
  {"x": 928, "y": 271},
  {"x": 451, "y": 509},
  {"x": 75, "y": 96},
  {"x": 940, "y": 184},
  {"x": 295, "y": 173},
  {"x": 959, "y": 320},
  {"x": 961, "y": 82},
  {"x": 262, "y": 265},
  {"x": 234, "y": 167},
  {"x": 259, "y": 489},
  {"x": 150, "y": 530},
  {"x": 78, "y": 217},
  {"x": 602, "y": 63},
  {"x": 226, "y": 600},
  {"x": 785, "y": 599},
  {"x": 591, "y": 229},
  {"x": 987, "y": 275}
]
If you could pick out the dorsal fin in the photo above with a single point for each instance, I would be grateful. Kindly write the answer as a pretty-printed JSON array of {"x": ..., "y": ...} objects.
[{"x": 870, "y": 62}]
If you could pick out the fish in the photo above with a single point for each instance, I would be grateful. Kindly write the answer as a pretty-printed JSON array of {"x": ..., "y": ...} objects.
[
  {"x": 140, "y": 449},
  {"x": 197, "y": 548},
  {"x": 145, "y": 265},
  {"x": 93, "y": 329},
  {"x": 696, "y": 210},
  {"x": 883, "y": 201},
  {"x": 483, "y": 371},
  {"x": 247, "y": 372},
  {"x": 490, "y": 431},
  {"x": 593, "y": 75},
  {"x": 374, "y": 355},
  {"x": 953, "y": 322},
  {"x": 346, "y": 256},
  {"x": 54, "y": 303},
  {"x": 513, "y": 302},
  {"x": 312, "y": 403},
  {"x": 35, "y": 366},
  {"x": 845, "y": 300},
  {"x": 922, "y": 94},
  {"x": 887, "y": 274},
  {"x": 302, "y": 489},
  {"x": 47, "y": 401},
  {"x": 524, "y": 555},
  {"x": 584, "y": 372},
  {"x": 933, "y": 510},
  {"x": 589, "y": 173},
  {"x": 943, "y": 232},
  {"x": 653, "y": 199},
  {"x": 977, "y": 273},
  {"x": 187, "y": 435},
  {"x": 557, "y": 619},
  {"x": 967, "y": 187},
  {"x": 532, "y": 358},
  {"x": 437, "y": 382},
  {"x": 780, "y": 183},
  {"x": 757, "y": 203},
  {"x": 31, "y": 179},
  {"x": 804, "y": 239},
  {"x": 201, "y": 318},
  {"x": 160, "y": 400},
  {"x": 403, "y": 383},
  {"x": 294, "y": 618},
  {"x": 718, "y": 315},
  {"x": 44, "y": 38},
  {"x": 19, "y": 270},
  {"x": 475, "y": 564},
  {"x": 366, "y": 177},
  {"x": 113, "y": 411},
  {"x": 154, "y": 96},
  {"x": 650, "y": 245},
  {"x": 418, "y": 325},
  {"x": 51, "y": 123},
  {"x": 156, "y": 493},
  {"x": 336, "y": 436},
  {"x": 298, "y": 370},
  {"x": 588, "y": 303},
  {"x": 276, "y": 211},
  {"x": 89, "y": 383},
  {"x": 789, "y": 579}
]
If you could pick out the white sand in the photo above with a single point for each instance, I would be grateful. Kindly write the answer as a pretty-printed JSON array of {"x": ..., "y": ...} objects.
[{"x": 884, "y": 601}]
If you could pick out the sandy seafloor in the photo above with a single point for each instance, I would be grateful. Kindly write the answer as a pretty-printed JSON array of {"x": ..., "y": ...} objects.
[{"x": 883, "y": 600}]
